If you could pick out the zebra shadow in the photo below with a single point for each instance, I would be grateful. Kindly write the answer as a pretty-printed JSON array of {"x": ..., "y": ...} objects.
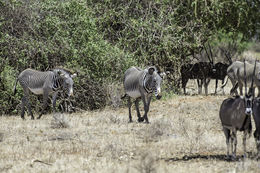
[{"x": 220, "y": 157}]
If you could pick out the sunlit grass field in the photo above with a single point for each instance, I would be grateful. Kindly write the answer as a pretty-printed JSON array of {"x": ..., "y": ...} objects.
[{"x": 184, "y": 135}]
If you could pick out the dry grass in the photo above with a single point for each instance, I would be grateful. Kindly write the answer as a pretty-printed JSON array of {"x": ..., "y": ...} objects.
[
  {"x": 59, "y": 121},
  {"x": 184, "y": 135}
]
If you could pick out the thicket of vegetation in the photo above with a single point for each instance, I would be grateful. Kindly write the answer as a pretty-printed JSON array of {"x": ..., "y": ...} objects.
[{"x": 100, "y": 39}]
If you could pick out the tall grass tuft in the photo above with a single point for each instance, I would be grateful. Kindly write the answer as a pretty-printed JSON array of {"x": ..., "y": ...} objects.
[{"x": 59, "y": 121}]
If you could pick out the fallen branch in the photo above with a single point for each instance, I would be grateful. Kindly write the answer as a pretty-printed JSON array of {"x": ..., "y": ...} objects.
[{"x": 42, "y": 162}]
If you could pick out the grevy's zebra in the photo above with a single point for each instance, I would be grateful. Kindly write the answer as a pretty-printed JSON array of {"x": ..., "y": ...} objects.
[
  {"x": 140, "y": 84},
  {"x": 44, "y": 83}
]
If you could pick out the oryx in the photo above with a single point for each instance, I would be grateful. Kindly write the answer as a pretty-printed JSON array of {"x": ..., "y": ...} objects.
[{"x": 235, "y": 115}]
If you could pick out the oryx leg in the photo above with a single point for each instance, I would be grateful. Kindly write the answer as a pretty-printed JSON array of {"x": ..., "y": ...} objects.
[
  {"x": 216, "y": 86},
  {"x": 184, "y": 83},
  {"x": 140, "y": 119},
  {"x": 129, "y": 108},
  {"x": 199, "y": 86},
  {"x": 206, "y": 83},
  {"x": 227, "y": 135},
  {"x": 234, "y": 143},
  {"x": 223, "y": 91},
  {"x": 44, "y": 105},
  {"x": 244, "y": 143}
]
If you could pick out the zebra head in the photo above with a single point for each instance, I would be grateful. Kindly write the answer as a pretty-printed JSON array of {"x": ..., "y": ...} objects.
[
  {"x": 67, "y": 79},
  {"x": 152, "y": 82}
]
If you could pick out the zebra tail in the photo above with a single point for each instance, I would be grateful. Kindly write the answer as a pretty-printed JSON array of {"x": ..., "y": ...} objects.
[
  {"x": 124, "y": 96},
  {"x": 14, "y": 90},
  {"x": 225, "y": 82}
]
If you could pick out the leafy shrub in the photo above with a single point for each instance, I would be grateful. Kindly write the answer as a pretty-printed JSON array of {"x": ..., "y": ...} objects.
[{"x": 46, "y": 34}]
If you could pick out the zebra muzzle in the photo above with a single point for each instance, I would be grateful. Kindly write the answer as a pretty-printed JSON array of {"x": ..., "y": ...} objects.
[
  {"x": 70, "y": 93},
  {"x": 158, "y": 97}
]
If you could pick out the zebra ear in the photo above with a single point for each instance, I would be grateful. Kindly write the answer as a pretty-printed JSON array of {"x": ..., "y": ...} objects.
[
  {"x": 62, "y": 75},
  {"x": 163, "y": 74},
  {"x": 73, "y": 75},
  {"x": 151, "y": 70}
]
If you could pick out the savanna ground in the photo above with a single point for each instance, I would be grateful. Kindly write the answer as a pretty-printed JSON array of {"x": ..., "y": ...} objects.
[{"x": 184, "y": 135}]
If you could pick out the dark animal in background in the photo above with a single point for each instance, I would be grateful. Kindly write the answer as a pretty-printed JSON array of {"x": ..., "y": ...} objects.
[
  {"x": 200, "y": 71},
  {"x": 235, "y": 115},
  {"x": 219, "y": 72}
]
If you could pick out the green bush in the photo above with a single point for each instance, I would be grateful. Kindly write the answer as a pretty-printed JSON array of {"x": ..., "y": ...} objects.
[{"x": 56, "y": 33}]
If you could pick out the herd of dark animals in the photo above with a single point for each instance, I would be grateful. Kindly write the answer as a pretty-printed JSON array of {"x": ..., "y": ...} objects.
[
  {"x": 203, "y": 72},
  {"x": 235, "y": 112}
]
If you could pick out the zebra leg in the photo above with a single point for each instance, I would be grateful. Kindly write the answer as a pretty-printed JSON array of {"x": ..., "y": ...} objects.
[
  {"x": 25, "y": 101},
  {"x": 146, "y": 107},
  {"x": 140, "y": 119},
  {"x": 216, "y": 86},
  {"x": 54, "y": 97},
  {"x": 244, "y": 143},
  {"x": 44, "y": 106},
  {"x": 241, "y": 88},
  {"x": 234, "y": 87},
  {"x": 129, "y": 109},
  {"x": 30, "y": 109}
]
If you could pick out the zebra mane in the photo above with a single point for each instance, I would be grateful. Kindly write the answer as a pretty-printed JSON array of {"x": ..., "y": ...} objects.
[
  {"x": 146, "y": 68},
  {"x": 62, "y": 69}
]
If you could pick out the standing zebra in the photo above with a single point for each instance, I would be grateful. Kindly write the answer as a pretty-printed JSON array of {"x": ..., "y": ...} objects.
[
  {"x": 44, "y": 83},
  {"x": 140, "y": 84}
]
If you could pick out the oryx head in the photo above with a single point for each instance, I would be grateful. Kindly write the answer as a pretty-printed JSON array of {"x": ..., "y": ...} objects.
[
  {"x": 248, "y": 104},
  {"x": 250, "y": 95},
  {"x": 153, "y": 81},
  {"x": 67, "y": 79}
]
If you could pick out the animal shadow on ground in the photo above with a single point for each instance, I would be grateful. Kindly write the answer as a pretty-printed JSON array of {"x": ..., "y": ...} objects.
[{"x": 221, "y": 157}]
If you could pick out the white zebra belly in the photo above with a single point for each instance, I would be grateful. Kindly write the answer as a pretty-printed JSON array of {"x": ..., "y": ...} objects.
[
  {"x": 37, "y": 91},
  {"x": 134, "y": 94}
]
